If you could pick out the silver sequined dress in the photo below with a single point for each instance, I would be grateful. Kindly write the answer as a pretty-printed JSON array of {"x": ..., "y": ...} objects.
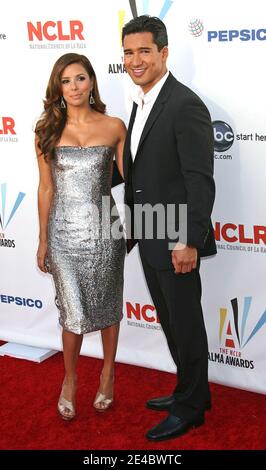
[{"x": 85, "y": 258}]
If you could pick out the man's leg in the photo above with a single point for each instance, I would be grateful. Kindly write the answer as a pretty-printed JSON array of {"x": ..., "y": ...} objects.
[
  {"x": 160, "y": 305},
  {"x": 182, "y": 295},
  {"x": 177, "y": 300}
]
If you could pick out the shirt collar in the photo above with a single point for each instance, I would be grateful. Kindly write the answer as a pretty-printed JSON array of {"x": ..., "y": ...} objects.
[{"x": 141, "y": 97}]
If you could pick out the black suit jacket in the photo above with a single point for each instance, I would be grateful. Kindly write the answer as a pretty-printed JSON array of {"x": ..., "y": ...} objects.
[{"x": 173, "y": 165}]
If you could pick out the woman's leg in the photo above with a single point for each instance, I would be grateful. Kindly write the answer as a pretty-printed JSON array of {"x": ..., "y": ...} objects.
[
  {"x": 105, "y": 392},
  {"x": 71, "y": 349},
  {"x": 109, "y": 340}
]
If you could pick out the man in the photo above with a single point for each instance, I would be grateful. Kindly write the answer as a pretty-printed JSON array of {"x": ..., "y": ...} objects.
[{"x": 168, "y": 159}]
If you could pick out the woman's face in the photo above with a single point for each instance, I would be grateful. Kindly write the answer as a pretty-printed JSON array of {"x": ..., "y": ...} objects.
[{"x": 76, "y": 85}]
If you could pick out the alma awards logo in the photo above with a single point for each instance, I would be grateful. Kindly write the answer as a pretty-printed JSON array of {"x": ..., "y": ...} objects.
[{"x": 232, "y": 335}]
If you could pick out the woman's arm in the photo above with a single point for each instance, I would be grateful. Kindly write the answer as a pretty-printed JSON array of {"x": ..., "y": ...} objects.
[
  {"x": 45, "y": 195},
  {"x": 121, "y": 137}
]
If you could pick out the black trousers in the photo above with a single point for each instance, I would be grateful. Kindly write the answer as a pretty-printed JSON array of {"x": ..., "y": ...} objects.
[{"x": 177, "y": 299}]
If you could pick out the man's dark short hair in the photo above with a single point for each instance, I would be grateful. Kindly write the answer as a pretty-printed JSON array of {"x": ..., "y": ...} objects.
[{"x": 147, "y": 24}]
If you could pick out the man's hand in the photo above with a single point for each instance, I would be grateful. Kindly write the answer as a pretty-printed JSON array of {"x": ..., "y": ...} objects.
[{"x": 184, "y": 258}]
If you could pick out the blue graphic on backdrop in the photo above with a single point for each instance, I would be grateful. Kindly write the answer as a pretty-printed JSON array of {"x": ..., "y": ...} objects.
[
  {"x": 4, "y": 221},
  {"x": 166, "y": 5}
]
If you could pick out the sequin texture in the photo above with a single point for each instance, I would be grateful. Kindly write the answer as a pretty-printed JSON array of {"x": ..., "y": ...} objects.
[{"x": 87, "y": 265}]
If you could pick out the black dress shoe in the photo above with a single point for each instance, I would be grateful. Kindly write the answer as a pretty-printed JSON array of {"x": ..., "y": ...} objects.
[
  {"x": 165, "y": 403},
  {"x": 172, "y": 427}
]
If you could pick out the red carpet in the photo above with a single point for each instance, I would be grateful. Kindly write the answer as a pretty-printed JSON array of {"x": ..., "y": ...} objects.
[{"x": 29, "y": 420}]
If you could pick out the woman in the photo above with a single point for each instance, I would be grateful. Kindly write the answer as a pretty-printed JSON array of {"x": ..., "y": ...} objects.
[{"x": 75, "y": 143}]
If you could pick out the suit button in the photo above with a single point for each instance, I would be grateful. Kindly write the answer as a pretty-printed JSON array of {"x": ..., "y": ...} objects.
[{"x": 138, "y": 190}]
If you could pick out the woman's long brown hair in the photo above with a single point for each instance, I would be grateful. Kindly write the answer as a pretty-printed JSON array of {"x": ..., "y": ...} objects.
[{"x": 50, "y": 126}]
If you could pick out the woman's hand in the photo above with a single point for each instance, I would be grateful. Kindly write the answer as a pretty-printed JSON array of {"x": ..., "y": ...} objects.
[{"x": 41, "y": 255}]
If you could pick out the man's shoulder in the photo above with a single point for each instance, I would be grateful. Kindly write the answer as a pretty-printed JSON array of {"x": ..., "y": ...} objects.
[
  {"x": 182, "y": 89},
  {"x": 182, "y": 95}
]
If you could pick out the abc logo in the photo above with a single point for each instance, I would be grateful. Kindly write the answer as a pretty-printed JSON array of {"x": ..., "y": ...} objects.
[{"x": 223, "y": 136}]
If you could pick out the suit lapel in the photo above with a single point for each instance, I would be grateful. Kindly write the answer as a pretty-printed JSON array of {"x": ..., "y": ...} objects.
[
  {"x": 127, "y": 152},
  {"x": 156, "y": 109}
]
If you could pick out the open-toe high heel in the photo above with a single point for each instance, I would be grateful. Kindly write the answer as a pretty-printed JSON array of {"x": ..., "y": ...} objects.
[
  {"x": 66, "y": 408},
  {"x": 103, "y": 401}
]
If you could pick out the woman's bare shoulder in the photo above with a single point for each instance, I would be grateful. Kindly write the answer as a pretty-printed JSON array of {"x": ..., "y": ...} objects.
[{"x": 115, "y": 122}]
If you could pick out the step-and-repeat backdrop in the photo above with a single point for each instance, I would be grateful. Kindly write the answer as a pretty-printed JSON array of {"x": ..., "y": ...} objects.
[{"x": 217, "y": 49}]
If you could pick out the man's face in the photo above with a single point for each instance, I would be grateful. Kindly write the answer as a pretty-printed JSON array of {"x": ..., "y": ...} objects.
[{"x": 143, "y": 62}]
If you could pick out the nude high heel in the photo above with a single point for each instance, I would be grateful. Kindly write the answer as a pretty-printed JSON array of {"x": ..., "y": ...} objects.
[
  {"x": 66, "y": 408},
  {"x": 103, "y": 401}
]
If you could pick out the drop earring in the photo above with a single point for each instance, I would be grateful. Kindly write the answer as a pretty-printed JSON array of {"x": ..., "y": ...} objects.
[
  {"x": 91, "y": 100},
  {"x": 62, "y": 103}
]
